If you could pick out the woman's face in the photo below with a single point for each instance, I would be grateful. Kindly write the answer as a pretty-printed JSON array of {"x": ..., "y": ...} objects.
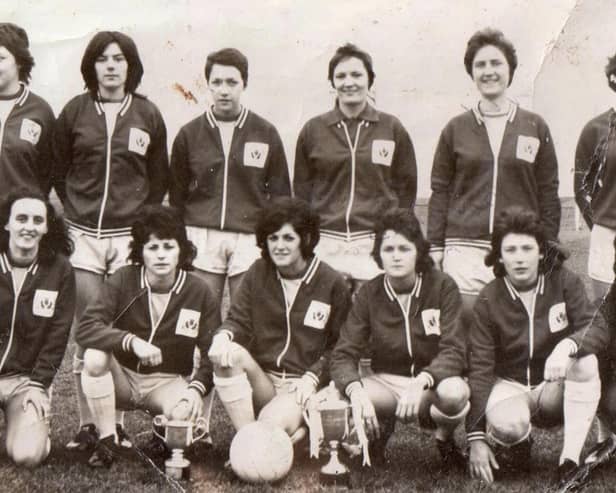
[
  {"x": 520, "y": 255},
  {"x": 398, "y": 255},
  {"x": 9, "y": 73},
  {"x": 27, "y": 225},
  {"x": 491, "y": 72},
  {"x": 161, "y": 258},
  {"x": 111, "y": 70},
  {"x": 284, "y": 249},
  {"x": 350, "y": 80}
]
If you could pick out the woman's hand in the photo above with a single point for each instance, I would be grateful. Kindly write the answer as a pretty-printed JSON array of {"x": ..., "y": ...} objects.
[
  {"x": 559, "y": 361},
  {"x": 408, "y": 405},
  {"x": 304, "y": 388},
  {"x": 38, "y": 399},
  {"x": 363, "y": 411},
  {"x": 220, "y": 352},
  {"x": 148, "y": 354},
  {"x": 482, "y": 461}
]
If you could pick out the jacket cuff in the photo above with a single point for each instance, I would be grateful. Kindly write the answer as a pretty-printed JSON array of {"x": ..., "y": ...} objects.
[
  {"x": 198, "y": 386},
  {"x": 315, "y": 379},
  {"x": 352, "y": 387},
  {"x": 37, "y": 385},
  {"x": 437, "y": 248},
  {"x": 126, "y": 342},
  {"x": 476, "y": 435}
]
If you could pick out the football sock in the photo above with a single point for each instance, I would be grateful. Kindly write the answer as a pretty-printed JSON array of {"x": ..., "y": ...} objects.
[
  {"x": 580, "y": 404},
  {"x": 100, "y": 393},
  {"x": 85, "y": 416},
  {"x": 119, "y": 417},
  {"x": 235, "y": 393},
  {"x": 446, "y": 425},
  {"x": 603, "y": 431}
]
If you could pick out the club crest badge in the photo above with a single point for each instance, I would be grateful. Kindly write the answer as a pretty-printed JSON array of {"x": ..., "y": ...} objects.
[
  {"x": 188, "y": 323},
  {"x": 431, "y": 319},
  {"x": 30, "y": 131},
  {"x": 527, "y": 148},
  {"x": 44, "y": 303},
  {"x": 383, "y": 151},
  {"x": 138, "y": 141},
  {"x": 558, "y": 317},
  {"x": 255, "y": 154},
  {"x": 317, "y": 315}
]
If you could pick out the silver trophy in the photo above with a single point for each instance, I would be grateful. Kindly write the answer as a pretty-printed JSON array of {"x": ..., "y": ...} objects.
[{"x": 179, "y": 435}]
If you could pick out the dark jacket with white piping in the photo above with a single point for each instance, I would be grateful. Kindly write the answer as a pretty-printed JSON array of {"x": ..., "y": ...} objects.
[
  {"x": 122, "y": 311},
  {"x": 423, "y": 337},
  {"x": 104, "y": 180},
  {"x": 35, "y": 321},
  {"x": 351, "y": 177},
  {"x": 293, "y": 340},
  {"x": 227, "y": 192}
]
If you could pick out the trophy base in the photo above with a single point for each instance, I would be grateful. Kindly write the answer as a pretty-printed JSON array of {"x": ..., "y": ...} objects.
[
  {"x": 336, "y": 479},
  {"x": 177, "y": 469}
]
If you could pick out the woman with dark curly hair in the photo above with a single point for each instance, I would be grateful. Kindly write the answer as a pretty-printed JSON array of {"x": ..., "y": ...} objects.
[
  {"x": 490, "y": 157},
  {"x": 140, "y": 333},
  {"x": 37, "y": 303},
  {"x": 532, "y": 359},
  {"x": 407, "y": 319},
  {"x": 270, "y": 355}
]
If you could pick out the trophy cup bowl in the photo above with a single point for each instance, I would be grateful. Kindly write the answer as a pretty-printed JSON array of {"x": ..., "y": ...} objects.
[
  {"x": 179, "y": 435},
  {"x": 334, "y": 422}
]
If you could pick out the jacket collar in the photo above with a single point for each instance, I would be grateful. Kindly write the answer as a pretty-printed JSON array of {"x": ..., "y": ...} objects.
[
  {"x": 177, "y": 285},
  {"x": 239, "y": 123},
  {"x": 369, "y": 114},
  {"x": 310, "y": 271},
  {"x": 514, "y": 292},
  {"x": 391, "y": 294},
  {"x": 5, "y": 265},
  {"x": 124, "y": 105},
  {"x": 513, "y": 109}
]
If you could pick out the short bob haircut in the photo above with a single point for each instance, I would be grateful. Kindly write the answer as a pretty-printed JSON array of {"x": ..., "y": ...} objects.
[
  {"x": 295, "y": 212},
  {"x": 349, "y": 50},
  {"x": 519, "y": 220},
  {"x": 55, "y": 242},
  {"x": 490, "y": 37},
  {"x": 97, "y": 46},
  {"x": 610, "y": 70},
  {"x": 229, "y": 57},
  {"x": 15, "y": 40},
  {"x": 165, "y": 223},
  {"x": 403, "y": 222}
]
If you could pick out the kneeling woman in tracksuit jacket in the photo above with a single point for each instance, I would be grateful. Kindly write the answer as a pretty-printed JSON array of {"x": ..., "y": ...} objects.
[
  {"x": 527, "y": 358},
  {"x": 408, "y": 318},
  {"x": 37, "y": 303},
  {"x": 270, "y": 354}
]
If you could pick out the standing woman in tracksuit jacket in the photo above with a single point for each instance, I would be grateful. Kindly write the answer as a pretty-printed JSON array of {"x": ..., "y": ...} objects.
[
  {"x": 488, "y": 158},
  {"x": 595, "y": 194},
  {"x": 110, "y": 160},
  {"x": 26, "y": 120},
  {"x": 37, "y": 303},
  {"x": 410, "y": 314},
  {"x": 271, "y": 354},
  {"x": 352, "y": 164}
]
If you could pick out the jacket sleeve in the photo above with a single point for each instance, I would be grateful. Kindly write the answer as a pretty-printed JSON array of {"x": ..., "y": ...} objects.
[
  {"x": 354, "y": 337},
  {"x": 404, "y": 169},
  {"x": 95, "y": 328},
  {"x": 277, "y": 181},
  {"x": 584, "y": 151},
  {"x": 450, "y": 360},
  {"x": 180, "y": 172},
  {"x": 303, "y": 173},
  {"x": 52, "y": 352},
  {"x": 44, "y": 164},
  {"x": 341, "y": 302},
  {"x": 158, "y": 160},
  {"x": 209, "y": 322},
  {"x": 239, "y": 320},
  {"x": 62, "y": 147},
  {"x": 443, "y": 171},
  {"x": 546, "y": 175},
  {"x": 482, "y": 365}
]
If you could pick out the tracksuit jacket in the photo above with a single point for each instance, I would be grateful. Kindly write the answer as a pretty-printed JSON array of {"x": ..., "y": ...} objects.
[
  {"x": 470, "y": 187},
  {"x": 122, "y": 312},
  {"x": 227, "y": 192},
  {"x": 35, "y": 322},
  {"x": 509, "y": 343},
  {"x": 26, "y": 145},
  {"x": 354, "y": 170},
  {"x": 295, "y": 340},
  {"x": 104, "y": 180},
  {"x": 429, "y": 340},
  {"x": 598, "y": 207}
]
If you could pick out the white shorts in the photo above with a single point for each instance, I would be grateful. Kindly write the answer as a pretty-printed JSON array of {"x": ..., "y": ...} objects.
[
  {"x": 223, "y": 252},
  {"x": 465, "y": 264},
  {"x": 351, "y": 257},
  {"x": 601, "y": 254},
  {"x": 99, "y": 255},
  {"x": 282, "y": 382}
]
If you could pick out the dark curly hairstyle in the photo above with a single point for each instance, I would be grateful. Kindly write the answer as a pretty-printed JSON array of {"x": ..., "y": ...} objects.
[
  {"x": 404, "y": 222},
  {"x": 55, "y": 242},
  {"x": 165, "y": 223},
  {"x": 349, "y": 50},
  {"x": 610, "y": 69},
  {"x": 492, "y": 37},
  {"x": 15, "y": 40},
  {"x": 230, "y": 57},
  {"x": 97, "y": 46},
  {"x": 519, "y": 220},
  {"x": 295, "y": 212}
]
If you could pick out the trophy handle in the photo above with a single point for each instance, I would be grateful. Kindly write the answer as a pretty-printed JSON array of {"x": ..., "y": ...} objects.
[
  {"x": 200, "y": 428},
  {"x": 158, "y": 421}
]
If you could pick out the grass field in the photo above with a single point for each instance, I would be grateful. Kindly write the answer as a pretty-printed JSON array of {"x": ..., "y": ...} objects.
[{"x": 413, "y": 462}]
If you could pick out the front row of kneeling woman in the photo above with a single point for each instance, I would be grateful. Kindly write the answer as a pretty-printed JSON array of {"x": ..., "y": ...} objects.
[{"x": 530, "y": 354}]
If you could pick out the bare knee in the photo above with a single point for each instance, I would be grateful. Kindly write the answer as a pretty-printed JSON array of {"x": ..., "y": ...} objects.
[
  {"x": 509, "y": 426},
  {"x": 452, "y": 395},
  {"x": 584, "y": 369},
  {"x": 95, "y": 362},
  {"x": 29, "y": 448}
]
